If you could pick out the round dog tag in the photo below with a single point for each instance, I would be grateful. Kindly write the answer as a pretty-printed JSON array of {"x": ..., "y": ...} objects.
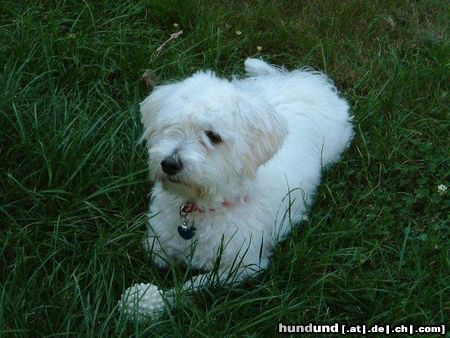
[{"x": 186, "y": 233}]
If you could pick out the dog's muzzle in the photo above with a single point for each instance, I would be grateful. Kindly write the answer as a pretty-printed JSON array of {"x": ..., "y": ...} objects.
[{"x": 171, "y": 165}]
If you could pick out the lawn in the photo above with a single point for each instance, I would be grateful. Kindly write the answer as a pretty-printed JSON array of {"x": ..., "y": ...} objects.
[{"x": 74, "y": 185}]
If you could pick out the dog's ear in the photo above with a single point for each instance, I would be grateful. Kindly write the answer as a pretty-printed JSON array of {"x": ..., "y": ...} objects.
[
  {"x": 151, "y": 107},
  {"x": 263, "y": 130}
]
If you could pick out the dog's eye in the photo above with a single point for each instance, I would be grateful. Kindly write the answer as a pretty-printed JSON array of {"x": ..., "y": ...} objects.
[{"x": 213, "y": 137}]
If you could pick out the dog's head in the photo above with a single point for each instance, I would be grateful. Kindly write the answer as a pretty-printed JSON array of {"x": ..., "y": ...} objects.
[{"x": 205, "y": 136}]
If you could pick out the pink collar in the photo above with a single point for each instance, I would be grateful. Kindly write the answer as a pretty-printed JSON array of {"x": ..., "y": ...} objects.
[
  {"x": 186, "y": 228},
  {"x": 191, "y": 207}
]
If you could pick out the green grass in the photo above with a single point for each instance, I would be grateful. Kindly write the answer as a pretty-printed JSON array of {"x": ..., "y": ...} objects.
[{"x": 74, "y": 185}]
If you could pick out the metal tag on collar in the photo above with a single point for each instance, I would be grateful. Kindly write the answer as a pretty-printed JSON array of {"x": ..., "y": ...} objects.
[{"x": 185, "y": 230}]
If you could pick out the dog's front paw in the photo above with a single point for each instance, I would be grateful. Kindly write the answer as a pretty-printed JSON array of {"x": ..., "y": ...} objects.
[{"x": 142, "y": 302}]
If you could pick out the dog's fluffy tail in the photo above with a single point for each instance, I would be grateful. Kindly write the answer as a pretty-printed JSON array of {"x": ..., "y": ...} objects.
[{"x": 256, "y": 67}]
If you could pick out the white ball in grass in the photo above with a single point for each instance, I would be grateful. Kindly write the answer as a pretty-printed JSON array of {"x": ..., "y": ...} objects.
[{"x": 142, "y": 302}]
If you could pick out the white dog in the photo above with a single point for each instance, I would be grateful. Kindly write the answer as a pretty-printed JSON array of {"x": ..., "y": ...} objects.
[{"x": 236, "y": 164}]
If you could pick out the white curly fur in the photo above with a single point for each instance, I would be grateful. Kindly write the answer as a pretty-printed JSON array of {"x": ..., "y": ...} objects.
[{"x": 278, "y": 130}]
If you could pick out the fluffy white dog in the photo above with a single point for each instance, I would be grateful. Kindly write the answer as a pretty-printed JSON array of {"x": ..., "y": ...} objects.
[{"x": 236, "y": 164}]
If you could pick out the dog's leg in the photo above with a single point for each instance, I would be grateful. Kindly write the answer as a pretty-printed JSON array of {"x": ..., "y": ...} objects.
[
  {"x": 222, "y": 277},
  {"x": 156, "y": 252}
]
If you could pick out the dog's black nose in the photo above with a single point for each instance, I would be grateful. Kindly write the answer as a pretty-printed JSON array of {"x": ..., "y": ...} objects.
[{"x": 171, "y": 166}]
